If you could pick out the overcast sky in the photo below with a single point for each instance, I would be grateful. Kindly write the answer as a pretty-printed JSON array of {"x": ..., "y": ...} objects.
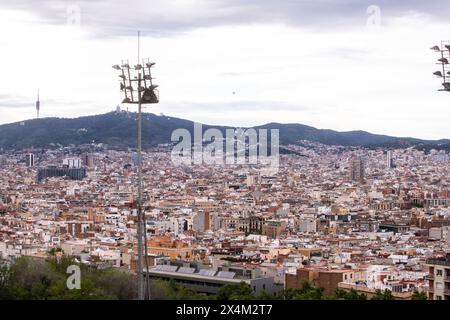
[{"x": 343, "y": 65}]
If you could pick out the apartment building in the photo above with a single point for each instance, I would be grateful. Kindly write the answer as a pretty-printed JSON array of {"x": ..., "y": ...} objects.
[{"x": 439, "y": 278}]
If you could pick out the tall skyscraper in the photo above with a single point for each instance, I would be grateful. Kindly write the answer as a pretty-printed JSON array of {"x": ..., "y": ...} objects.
[
  {"x": 88, "y": 160},
  {"x": 3, "y": 160},
  {"x": 357, "y": 169},
  {"x": 29, "y": 160},
  {"x": 389, "y": 160}
]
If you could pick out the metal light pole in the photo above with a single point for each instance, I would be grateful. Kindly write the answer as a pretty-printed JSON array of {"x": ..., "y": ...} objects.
[
  {"x": 443, "y": 61},
  {"x": 146, "y": 94}
]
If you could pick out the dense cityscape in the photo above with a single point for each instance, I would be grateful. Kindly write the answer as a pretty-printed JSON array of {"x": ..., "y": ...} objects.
[
  {"x": 340, "y": 218},
  {"x": 227, "y": 158}
]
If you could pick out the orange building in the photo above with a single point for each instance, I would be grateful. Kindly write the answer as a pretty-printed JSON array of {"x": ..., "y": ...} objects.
[
  {"x": 166, "y": 246},
  {"x": 322, "y": 278}
]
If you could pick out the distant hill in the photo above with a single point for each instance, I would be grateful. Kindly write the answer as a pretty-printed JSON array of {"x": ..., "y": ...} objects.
[
  {"x": 118, "y": 130},
  {"x": 292, "y": 133}
]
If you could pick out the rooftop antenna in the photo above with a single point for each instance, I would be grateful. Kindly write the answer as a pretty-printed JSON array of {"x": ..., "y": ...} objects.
[
  {"x": 38, "y": 105},
  {"x": 139, "y": 89}
]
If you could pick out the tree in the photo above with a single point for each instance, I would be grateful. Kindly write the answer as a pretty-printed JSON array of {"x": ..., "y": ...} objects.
[
  {"x": 54, "y": 251},
  {"x": 419, "y": 295},
  {"x": 32, "y": 279},
  {"x": 264, "y": 295},
  {"x": 5, "y": 275},
  {"x": 242, "y": 291},
  {"x": 383, "y": 295},
  {"x": 305, "y": 292},
  {"x": 170, "y": 290},
  {"x": 120, "y": 285},
  {"x": 352, "y": 294}
]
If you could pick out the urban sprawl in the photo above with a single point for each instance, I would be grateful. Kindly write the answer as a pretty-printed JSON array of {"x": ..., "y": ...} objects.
[{"x": 338, "y": 217}]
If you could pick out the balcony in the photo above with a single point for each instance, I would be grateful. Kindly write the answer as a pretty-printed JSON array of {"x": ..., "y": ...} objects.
[
  {"x": 439, "y": 262},
  {"x": 429, "y": 277}
]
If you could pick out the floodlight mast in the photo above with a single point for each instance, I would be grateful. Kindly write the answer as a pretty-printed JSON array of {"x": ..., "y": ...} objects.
[
  {"x": 443, "y": 61},
  {"x": 146, "y": 94}
]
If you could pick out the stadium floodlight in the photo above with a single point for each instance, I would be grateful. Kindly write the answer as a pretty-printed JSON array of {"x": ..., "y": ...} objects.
[
  {"x": 130, "y": 82},
  {"x": 137, "y": 85},
  {"x": 443, "y": 61}
]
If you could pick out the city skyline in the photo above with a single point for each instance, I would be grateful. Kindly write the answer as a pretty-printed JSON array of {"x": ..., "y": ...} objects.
[
  {"x": 249, "y": 155},
  {"x": 327, "y": 65}
]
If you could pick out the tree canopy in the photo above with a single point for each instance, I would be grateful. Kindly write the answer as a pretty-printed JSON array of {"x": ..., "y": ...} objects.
[{"x": 39, "y": 279}]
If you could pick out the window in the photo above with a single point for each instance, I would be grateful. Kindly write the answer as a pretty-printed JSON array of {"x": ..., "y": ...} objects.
[{"x": 439, "y": 272}]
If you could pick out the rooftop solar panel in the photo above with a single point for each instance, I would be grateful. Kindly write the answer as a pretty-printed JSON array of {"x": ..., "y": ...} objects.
[
  {"x": 166, "y": 268},
  {"x": 170, "y": 268},
  {"x": 226, "y": 274},
  {"x": 207, "y": 272},
  {"x": 186, "y": 270}
]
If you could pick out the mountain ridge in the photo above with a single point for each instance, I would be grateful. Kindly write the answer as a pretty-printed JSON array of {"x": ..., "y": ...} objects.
[{"x": 118, "y": 130}]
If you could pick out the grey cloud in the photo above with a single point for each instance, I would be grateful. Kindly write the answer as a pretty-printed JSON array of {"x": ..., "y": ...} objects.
[
  {"x": 166, "y": 17},
  {"x": 12, "y": 102}
]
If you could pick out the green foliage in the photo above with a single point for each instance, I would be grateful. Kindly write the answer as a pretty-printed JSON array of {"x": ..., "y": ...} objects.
[
  {"x": 31, "y": 279},
  {"x": 352, "y": 294},
  {"x": 305, "y": 292},
  {"x": 268, "y": 296},
  {"x": 419, "y": 296},
  {"x": 383, "y": 295},
  {"x": 53, "y": 251},
  {"x": 242, "y": 291},
  {"x": 170, "y": 290}
]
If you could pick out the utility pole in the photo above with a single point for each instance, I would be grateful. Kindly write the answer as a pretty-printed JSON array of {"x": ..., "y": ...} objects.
[{"x": 146, "y": 94}]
